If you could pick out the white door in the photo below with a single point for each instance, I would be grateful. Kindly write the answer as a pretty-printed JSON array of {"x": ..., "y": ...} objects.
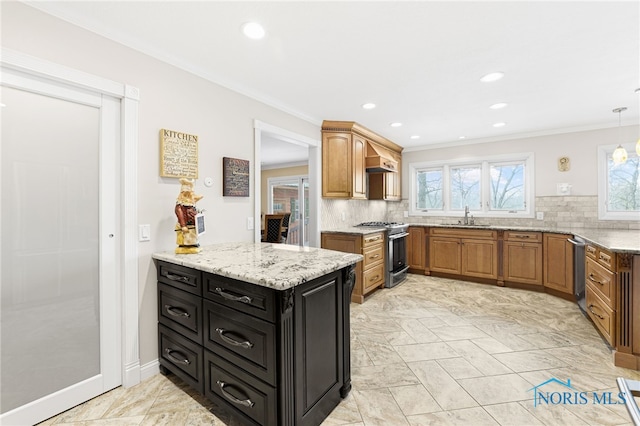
[{"x": 59, "y": 318}]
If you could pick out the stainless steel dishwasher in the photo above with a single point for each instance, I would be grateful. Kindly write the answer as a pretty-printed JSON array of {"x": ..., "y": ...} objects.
[{"x": 578, "y": 271}]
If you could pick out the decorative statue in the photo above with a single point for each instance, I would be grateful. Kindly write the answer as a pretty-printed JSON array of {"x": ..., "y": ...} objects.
[{"x": 186, "y": 232}]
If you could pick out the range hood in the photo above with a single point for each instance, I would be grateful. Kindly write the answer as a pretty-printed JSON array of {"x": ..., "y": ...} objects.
[{"x": 379, "y": 160}]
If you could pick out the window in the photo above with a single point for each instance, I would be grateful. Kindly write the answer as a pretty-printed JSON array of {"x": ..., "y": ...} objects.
[
  {"x": 500, "y": 186},
  {"x": 618, "y": 185}
]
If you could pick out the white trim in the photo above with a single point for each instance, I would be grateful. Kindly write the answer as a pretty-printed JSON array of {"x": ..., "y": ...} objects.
[
  {"x": 128, "y": 252},
  {"x": 284, "y": 165},
  {"x": 527, "y": 157},
  {"x": 603, "y": 184},
  {"x": 315, "y": 179}
]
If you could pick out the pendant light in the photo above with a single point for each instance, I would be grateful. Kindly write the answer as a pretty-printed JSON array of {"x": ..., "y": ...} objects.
[{"x": 620, "y": 154}]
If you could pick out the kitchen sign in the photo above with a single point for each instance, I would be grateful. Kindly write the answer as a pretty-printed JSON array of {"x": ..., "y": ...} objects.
[{"x": 178, "y": 154}]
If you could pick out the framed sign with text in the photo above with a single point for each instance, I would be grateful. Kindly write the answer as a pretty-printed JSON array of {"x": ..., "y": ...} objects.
[
  {"x": 235, "y": 177},
  {"x": 178, "y": 154}
]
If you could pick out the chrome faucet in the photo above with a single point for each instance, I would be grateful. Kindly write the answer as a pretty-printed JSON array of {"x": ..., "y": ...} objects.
[{"x": 466, "y": 215}]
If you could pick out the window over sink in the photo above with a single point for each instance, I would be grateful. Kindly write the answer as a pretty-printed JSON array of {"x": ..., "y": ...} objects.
[
  {"x": 618, "y": 185},
  {"x": 497, "y": 186}
]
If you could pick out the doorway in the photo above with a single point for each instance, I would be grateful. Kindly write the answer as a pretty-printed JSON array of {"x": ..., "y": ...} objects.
[
  {"x": 313, "y": 189},
  {"x": 291, "y": 195}
]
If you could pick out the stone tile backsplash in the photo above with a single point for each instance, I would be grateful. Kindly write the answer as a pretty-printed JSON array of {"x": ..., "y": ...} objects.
[{"x": 559, "y": 212}]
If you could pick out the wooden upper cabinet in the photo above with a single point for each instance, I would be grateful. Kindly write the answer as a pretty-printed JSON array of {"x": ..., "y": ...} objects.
[{"x": 344, "y": 156}]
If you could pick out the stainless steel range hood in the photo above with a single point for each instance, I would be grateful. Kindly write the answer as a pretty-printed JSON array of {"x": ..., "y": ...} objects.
[{"x": 379, "y": 160}]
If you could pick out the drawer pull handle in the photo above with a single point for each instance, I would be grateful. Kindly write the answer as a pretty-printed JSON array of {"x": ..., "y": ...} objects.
[
  {"x": 593, "y": 278},
  {"x": 174, "y": 277},
  {"x": 375, "y": 256},
  {"x": 598, "y": 315},
  {"x": 170, "y": 353},
  {"x": 176, "y": 312},
  {"x": 242, "y": 299},
  {"x": 244, "y": 402},
  {"x": 246, "y": 344},
  {"x": 374, "y": 278},
  {"x": 369, "y": 240},
  {"x": 523, "y": 236}
]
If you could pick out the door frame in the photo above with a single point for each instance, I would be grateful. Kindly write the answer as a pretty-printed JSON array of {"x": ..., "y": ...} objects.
[
  {"x": 127, "y": 253},
  {"x": 315, "y": 176},
  {"x": 300, "y": 180}
]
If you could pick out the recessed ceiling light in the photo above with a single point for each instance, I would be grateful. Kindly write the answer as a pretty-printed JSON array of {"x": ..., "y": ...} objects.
[
  {"x": 499, "y": 105},
  {"x": 462, "y": 137},
  {"x": 396, "y": 124},
  {"x": 369, "y": 105},
  {"x": 253, "y": 30},
  {"x": 501, "y": 124},
  {"x": 494, "y": 76},
  {"x": 415, "y": 137}
]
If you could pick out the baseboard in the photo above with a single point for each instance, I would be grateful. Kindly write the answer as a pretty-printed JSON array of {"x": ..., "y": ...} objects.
[{"x": 149, "y": 369}]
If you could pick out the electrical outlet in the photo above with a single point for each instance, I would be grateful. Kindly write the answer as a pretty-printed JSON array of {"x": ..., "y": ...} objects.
[
  {"x": 343, "y": 216},
  {"x": 540, "y": 215},
  {"x": 249, "y": 223},
  {"x": 406, "y": 213}
]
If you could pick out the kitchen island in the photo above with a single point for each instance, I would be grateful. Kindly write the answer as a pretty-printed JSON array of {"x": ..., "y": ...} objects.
[{"x": 262, "y": 330}]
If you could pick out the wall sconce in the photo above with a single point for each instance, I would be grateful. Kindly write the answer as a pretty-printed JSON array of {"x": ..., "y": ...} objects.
[{"x": 619, "y": 156}]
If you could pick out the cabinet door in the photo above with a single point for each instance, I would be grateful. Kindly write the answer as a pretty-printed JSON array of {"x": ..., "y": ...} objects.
[
  {"x": 348, "y": 244},
  {"x": 337, "y": 165},
  {"x": 558, "y": 263},
  {"x": 417, "y": 248},
  {"x": 444, "y": 255},
  {"x": 523, "y": 262},
  {"x": 359, "y": 176},
  {"x": 479, "y": 258}
]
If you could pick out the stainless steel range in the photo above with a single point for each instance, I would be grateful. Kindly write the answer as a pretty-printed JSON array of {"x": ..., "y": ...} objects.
[{"x": 396, "y": 251}]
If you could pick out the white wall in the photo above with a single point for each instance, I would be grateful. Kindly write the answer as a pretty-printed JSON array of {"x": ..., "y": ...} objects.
[
  {"x": 580, "y": 147},
  {"x": 169, "y": 98}
]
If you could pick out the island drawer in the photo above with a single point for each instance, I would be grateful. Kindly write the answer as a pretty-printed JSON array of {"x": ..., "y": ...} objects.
[
  {"x": 246, "y": 341},
  {"x": 244, "y": 297},
  {"x": 373, "y": 255},
  {"x": 525, "y": 237},
  {"x": 225, "y": 383},
  {"x": 180, "y": 311},
  {"x": 602, "y": 315},
  {"x": 604, "y": 257},
  {"x": 372, "y": 239},
  {"x": 182, "y": 357},
  {"x": 186, "y": 279},
  {"x": 602, "y": 281}
]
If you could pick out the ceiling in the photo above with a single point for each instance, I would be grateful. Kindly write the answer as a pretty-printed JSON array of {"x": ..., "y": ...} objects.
[{"x": 566, "y": 65}]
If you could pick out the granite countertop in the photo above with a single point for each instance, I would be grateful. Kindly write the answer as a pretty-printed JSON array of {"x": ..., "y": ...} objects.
[
  {"x": 277, "y": 266},
  {"x": 355, "y": 230},
  {"x": 619, "y": 241}
]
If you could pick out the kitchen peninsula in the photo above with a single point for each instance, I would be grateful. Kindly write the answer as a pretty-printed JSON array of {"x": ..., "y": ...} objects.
[{"x": 260, "y": 329}]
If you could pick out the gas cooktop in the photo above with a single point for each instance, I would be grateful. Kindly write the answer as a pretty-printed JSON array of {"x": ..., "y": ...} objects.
[{"x": 381, "y": 224}]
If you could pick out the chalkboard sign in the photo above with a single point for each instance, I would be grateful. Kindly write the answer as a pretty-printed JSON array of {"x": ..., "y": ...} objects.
[
  {"x": 235, "y": 177},
  {"x": 178, "y": 154}
]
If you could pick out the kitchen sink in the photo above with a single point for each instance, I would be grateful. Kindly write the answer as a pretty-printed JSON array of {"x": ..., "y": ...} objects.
[{"x": 461, "y": 224}]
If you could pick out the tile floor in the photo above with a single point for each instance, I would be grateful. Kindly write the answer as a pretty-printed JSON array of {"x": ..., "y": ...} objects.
[{"x": 431, "y": 351}]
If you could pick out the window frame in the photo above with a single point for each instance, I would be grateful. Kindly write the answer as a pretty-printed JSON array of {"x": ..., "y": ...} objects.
[
  {"x": 604, "y": 151},
  {"x": 484, "y": 212}
]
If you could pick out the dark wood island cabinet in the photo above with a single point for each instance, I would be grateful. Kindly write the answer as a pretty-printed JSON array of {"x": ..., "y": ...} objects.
[{"x": 260, "y": 330}]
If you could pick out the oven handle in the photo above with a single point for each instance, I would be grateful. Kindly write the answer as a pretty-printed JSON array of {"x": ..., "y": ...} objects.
[{"x": 396, "y": 236}]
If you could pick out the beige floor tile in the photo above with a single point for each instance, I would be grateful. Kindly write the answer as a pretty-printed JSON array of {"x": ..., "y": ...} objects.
[
  {"x": 485, "y": 363},
  {"x": 497, "y": 389},
  {"x": 491, "y": 345},
  {"x": 468, "y": 416},
  {"x": 378, "y": 408},
  {"x": 383, "y": 376},
  {"x": 459, "y": 368},
  {"x": 556, "y": 415},
  {"x": 414, "y": 400},
  {"x": 346, "y": 413},
  {"x": 458, "y": 333},
  {"x": 444, "y": 389},
  {"x": 425, "y": 351},
  {"x": 418, "y": 331},
  {"x": 511, "y": 413},
  {"x": 529, "y": 360}
]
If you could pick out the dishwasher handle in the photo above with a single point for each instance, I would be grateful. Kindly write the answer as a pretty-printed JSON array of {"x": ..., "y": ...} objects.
[{"x": 576, "y": 243}]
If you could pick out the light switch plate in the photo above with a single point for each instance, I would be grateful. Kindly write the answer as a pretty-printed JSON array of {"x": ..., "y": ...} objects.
[
  {"x": 144, "y": 232},
  {"x": 249, "y": 223},
  {"x": 540, "y": 215}
]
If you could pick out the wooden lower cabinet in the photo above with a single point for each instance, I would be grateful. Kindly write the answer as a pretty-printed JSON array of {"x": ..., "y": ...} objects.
[
  {"x": 269, "y": 357},
  {"x": 558, "y": 263},
  {"x": 467, "y": 252},
  {"x": 417, "y": 249},
  {"x": 370, "y": 273}
]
